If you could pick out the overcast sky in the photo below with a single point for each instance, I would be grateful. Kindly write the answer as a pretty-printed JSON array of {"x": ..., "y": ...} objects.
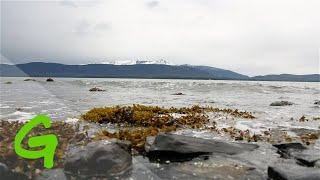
[{"x": 247, "y": 36}]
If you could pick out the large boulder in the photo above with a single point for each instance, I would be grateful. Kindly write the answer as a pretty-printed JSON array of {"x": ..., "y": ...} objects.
[
  {"x": 183, "y": 148},
  {"x": 286, "y": 171},
  {"x": 281, "y": 103},
  {"x": 99, "y": 159}
]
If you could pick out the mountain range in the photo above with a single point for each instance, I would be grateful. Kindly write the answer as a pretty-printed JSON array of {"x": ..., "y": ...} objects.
[{"x": 139, "y": 70}]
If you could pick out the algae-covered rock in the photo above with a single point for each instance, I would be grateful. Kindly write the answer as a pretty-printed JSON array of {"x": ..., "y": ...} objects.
[
  {"x": 8, "y": 82},
  {"x": 180, "y": 148},
  {"x": 281, "y": 103},
  {"x": 99, "y": 159}
]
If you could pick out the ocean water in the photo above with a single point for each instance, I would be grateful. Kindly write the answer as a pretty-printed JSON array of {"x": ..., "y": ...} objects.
[{"x": 66, "y": 99}]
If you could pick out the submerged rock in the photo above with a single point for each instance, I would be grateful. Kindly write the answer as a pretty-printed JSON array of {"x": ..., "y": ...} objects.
[
  {"x": 29, "y": 80},
  {"x": 96, "y": 89},
  {"x": 8, "y": 82},
  {"x": 317, "y": 102},
  {"x": 285, "y": 171},
  {"x": 183, "y": 148},
  {"x": 178, "y": 94},
  {"x": 50, "y": 80},
  {"x": 281, "y": 103},
  {"x": 99, "y": 159}
]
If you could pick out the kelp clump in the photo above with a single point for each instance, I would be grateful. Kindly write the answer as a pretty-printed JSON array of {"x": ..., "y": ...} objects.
[
  {"x": 139, "y": 121},
  {"x": 146, "y": 116}
]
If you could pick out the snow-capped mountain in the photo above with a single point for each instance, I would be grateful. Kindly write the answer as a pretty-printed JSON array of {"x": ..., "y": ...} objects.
[{"x": 133, "y": 62}]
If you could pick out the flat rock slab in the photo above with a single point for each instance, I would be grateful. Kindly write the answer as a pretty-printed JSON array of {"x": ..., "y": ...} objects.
[
  {"x": 99, "y": 159},
  {"x": 284, "y": 171},
  {"x": 182, "y": 148}
]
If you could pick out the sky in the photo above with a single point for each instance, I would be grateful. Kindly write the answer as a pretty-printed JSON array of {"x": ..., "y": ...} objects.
[{"x": 252, "y": 37}]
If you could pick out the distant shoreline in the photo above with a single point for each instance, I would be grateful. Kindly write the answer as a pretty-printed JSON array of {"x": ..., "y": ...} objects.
[
  {"x": 141, "y": 71},
  {"x": 245, "y": 80}
]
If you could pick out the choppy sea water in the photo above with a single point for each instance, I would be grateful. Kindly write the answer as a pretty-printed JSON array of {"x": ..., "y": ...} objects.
[{"x": 68, "y": 98}]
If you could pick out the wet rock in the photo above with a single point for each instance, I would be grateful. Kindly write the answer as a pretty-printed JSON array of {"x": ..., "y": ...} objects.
[
  {"x": 100, "y": 158},
  {"x": 52, "y": 175},
  {"x": 4, "y": 170},
  {"x": 307, "y": 157},
  {"x": 29, "y": 80},
  {"x": 217, "y": 168},
  {"x": 50, "y": 80},
  {"x": 8, "y": 82},
  {"x": 284, "y": 171},
  {"x": 303, "y": 156},
  {"x": 317, "y": 102},
  {"x": 178, "y": 94},
  {"x": 96, "y": 89},
  {"x": 7, "y": 174},
  {"x": 286, "y": 149},
  {"x": 281, "y": 103},
  {"x": 183, "y": 148}
]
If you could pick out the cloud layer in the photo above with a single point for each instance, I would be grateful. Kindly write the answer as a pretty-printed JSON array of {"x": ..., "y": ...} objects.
[{"x": 248, "y": 36}]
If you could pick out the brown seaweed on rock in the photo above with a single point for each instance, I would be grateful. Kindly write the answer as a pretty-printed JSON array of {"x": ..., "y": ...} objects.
[{"x": 141, "y": 121}]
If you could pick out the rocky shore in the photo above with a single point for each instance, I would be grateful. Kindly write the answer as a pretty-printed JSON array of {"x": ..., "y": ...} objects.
[{"x": 149, "y": 142}]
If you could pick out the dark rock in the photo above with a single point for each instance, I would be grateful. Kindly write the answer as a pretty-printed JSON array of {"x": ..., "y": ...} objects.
[
  {"x": 285, "y": 171},
  {"x": 304, "y": 156},
  {"x": 4, "y": 170},
  {"x": 286, "y": 149},
  {"x": 281, "y": 103},
  {"x": 96, "y": 89},
  {"x": 52, "y": 175},
  {"x": 8, "y": 82},
  {"x": 50, "y": 80},
  {"x": 7, "y": 174},
  {"x": 29, "y": 80},
  {"x": 183, "y": 148},
  {"x": 317, "y": 102},
  {"x": 100, "y": 158},
  {"x": 307, "y": 157},
  {"x": 178, "y": 94}
]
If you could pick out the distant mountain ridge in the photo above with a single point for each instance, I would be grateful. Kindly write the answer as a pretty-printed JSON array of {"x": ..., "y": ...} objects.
[
  {"x": 289, "y": 77},
  {"x": 138, "y": 70}
]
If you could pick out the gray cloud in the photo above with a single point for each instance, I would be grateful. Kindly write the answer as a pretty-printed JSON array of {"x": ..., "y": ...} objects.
[
  {"x": 152, "y": 4},
  {"x": 251, "y": 37}
]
